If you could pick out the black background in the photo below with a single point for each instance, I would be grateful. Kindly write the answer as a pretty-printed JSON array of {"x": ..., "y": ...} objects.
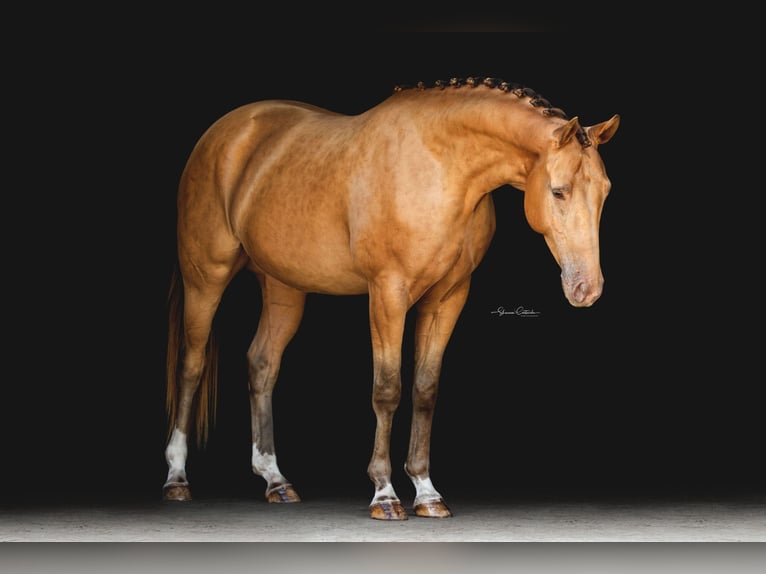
[{"x": 655, "y": 390}]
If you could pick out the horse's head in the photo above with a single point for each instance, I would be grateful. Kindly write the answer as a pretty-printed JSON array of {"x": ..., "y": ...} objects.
[{"x": 563, "y": 199}]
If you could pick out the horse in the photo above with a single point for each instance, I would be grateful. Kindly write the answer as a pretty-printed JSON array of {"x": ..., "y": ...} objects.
[{"x": 394, "y": 203}]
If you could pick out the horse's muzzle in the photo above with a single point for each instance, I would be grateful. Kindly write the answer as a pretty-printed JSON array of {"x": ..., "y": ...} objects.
[
  {"x": 584, "y": 294},
  {"x": 581, "y": 290}
]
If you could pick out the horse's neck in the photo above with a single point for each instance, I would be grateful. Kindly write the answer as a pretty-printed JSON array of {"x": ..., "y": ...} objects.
[{"x": 483, "y": 141}]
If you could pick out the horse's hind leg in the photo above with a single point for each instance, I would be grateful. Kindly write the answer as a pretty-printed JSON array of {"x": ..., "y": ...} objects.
[
  {"x": 437, "y": 315},
  {"x": 280, "y": 317},
  {"x": 202, "y": 292}
]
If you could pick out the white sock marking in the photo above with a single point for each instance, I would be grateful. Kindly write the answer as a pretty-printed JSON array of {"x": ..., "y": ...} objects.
[
  {"x": 265, "y": 465},
  {"x": 385, "y": 493},
  {"x": 175, "y": 455},
  {"x": 424, "y": 490}
]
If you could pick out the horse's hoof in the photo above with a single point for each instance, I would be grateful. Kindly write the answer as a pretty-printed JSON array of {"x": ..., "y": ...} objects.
[
  {"x": 433, "y": 509},
  {"x": 176, "y": 491},
  {"x": 388, "y": 510},
  {"x": 283, "y": 494}
]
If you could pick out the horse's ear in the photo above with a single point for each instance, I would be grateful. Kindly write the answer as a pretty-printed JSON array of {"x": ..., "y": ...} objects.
[
  {"x": 563, "y": 134},
  {"x": 603, "y": 132}
]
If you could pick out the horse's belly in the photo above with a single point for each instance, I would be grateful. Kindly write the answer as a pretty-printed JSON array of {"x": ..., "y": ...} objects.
[{"x": 311, "y": 264}]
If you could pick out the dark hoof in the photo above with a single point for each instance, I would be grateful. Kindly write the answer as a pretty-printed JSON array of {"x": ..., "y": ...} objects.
[
  {"x": 283, "y": 494},
  {"x": 388, "y": 510},
  {"x": 176, "y": 491},
  {"x": 433, "y": 509}
]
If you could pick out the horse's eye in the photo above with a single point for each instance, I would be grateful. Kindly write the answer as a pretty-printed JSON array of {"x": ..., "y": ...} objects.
[{"x": 558, "y": 192}]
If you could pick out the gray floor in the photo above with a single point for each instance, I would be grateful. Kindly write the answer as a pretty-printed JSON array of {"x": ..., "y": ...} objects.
[
  {"x": 251, "y": 536},
  {"x": 346, "y": 520}
]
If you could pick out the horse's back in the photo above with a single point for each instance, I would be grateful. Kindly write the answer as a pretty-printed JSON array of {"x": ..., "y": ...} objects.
[
  {"x": 245, "y": 139},
  {"x": 246, "y": 133},
  {"x": 272, "y": 176}
]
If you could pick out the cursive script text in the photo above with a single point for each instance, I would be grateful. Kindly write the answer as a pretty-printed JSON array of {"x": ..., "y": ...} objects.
[{"x": 518, "y": 311}]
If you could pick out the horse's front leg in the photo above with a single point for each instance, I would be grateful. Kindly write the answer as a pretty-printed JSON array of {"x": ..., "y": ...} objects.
[
  {"x": 388, "y": 309},
  {"x": 437, "y": 316}
]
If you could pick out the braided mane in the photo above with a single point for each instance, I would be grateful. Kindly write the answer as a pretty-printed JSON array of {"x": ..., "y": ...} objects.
[{"x": 518, "y": 90}]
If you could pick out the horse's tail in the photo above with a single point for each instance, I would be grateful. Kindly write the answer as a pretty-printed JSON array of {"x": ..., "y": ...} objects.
[{"x": 207, "y": 392}]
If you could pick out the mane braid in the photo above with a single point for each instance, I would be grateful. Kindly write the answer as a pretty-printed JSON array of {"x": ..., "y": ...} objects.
[{"x": 520, "y": 91}]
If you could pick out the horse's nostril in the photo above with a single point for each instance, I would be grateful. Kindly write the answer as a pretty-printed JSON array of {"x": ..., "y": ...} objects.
[
  {"x": 581, "y": 292},
  {"x": 586, "y": 293}
]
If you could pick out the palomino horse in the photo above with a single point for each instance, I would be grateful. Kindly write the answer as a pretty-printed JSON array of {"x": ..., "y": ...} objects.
[{"x": 394, "y": 203}]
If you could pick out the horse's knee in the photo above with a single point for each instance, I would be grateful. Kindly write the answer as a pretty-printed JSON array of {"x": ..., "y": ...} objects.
[
  {"x": 387, "y": 389},
  {"x": 424, "y": 396},
  {"x": 425, "y": 388}
]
